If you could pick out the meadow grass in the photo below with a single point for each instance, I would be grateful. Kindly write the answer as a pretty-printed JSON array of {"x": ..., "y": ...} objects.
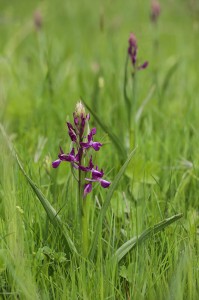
[{"x": 80, "y": 52}]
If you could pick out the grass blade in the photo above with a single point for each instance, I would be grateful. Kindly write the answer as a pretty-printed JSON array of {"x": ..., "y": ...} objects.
[
  {"x": 132, "y": 243},
  {"x": 168, "y": 76},
  {"x": 112, "y": 136},
  {"x": 144, "y": 103},
  {"x": 106, "y": 205}
]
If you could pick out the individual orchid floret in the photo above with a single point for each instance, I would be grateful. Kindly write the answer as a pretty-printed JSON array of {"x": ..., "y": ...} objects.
[
  {"x": 89, "y": 167},
  {"x": 87, "y": 189},
  {"x": 95, "y": 145},
  {"x": 71, "y": 157},
  {"x": 71, "y": 132},
  {"x": 155, "y": 11},
  {"x": 132, "y": 52},
  {"x": 96, "y": 177}
]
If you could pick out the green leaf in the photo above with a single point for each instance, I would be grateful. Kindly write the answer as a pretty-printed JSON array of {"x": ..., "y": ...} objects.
[
  {"x": 169, "y": 76},
  {"x": 51, "y": 212},
  {"x": 113, "y": 137},
  {"x": 106, "y": 205},
  {"x": 133, "y": 242}
]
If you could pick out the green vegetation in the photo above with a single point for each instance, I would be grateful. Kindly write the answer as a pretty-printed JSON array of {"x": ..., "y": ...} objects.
[{"x": 143, "y": 235}]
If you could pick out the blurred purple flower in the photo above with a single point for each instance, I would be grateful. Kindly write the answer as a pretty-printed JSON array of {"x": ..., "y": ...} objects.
[
  {"x": 155, "y": 10},
  {"x": 132, "y": 51},
  {"x": 38, "y": 20}
]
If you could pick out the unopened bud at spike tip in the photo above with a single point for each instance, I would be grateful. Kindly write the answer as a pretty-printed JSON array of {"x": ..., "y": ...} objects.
[{"x": 80, "y": 110}]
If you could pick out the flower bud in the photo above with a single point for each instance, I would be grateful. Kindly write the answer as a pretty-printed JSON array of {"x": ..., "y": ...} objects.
[
  {"x": 80, "y": 110},
  {"x": 155, "y": 10},
  {"x": 38, "y": 20},
  {"x": 80, "y": 119}
]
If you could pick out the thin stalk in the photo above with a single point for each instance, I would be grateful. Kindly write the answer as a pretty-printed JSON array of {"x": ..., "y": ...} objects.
[
  {"x": 132, "y": 129},
  {"x": 85, "y": 219},
  {"x": 134, "y": 100},
  {"x": 156, "y": 59},
  {"x": 82, "y": 208},
  {"x": 80, "y": 195},
  {"x": 126, "y": 98}
]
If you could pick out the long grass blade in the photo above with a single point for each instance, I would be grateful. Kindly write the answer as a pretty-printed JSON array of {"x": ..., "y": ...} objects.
[
  {"x": 106, "y": 205},
  {"x": 119, "y": 146},
  {"x": 133, "y": 242},
  {"x": 144, "y": 103},
  {"x": 168, "y": 76}
]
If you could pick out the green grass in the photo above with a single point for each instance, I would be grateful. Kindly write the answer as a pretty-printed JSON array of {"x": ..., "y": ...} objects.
[{"x": 80, "y": 51}]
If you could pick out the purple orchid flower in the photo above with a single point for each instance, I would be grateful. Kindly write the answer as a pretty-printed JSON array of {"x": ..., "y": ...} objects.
[
  {"x": 90, "y": 166},
  {"x": 71, "y": 132},
  {"x": 132, "y": 49},
  {"x": 96, "y": 176},
  {"x": 95, "y": 145},
  {"x": 87, "y": 189},
  {"x": 71, "y": 157},
  {"x": 80, "y": 146}
]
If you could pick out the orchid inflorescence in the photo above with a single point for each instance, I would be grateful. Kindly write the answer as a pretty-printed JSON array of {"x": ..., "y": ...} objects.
[
  {"x": 155, "y": 10},
  {"x": 132, "y": 51},
  {"x": 81, "y": 144}
]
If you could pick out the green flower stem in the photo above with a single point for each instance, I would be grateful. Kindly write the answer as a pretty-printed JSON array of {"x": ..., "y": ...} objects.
[
  {"x": 132, "y": 128},
  {"x": 126, "y": 98},
  {"x": 85, "y": 219},
  {"x": 82, "y": 209}
]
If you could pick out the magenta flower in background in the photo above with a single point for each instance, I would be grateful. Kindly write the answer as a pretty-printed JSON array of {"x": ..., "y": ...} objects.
[
  {"x": 155, "y": 10},
  {"x": 132, "y": 51},
  {"x": 38, "y": 20},
  {"x": 79, "y": 151}
]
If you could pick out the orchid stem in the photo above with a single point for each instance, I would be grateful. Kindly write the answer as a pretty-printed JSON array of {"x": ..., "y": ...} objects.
[
  {"x": 126, "y": 98},
  {"x": 85, "y": 228},
  {"x": 132, "y": 128},
  {"x": 82, "y": 208}
]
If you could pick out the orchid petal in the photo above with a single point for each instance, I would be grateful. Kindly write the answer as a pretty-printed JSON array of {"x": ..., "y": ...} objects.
[
  {"x": 96, "y": 146},
  {"x": 56, "y": 163},
  {"x": 87, "y": 188},
  {"x": 104, "y": 183}
]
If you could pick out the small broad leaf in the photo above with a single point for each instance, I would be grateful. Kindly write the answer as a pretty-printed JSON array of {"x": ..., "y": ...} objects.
[{"x": 133, "y": 242}]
